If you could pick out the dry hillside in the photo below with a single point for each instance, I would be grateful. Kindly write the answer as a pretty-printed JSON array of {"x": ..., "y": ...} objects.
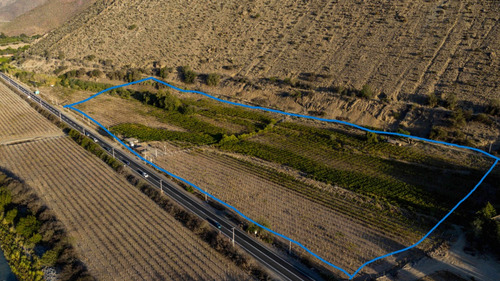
[
  {"x": 38, "y": 17},
  {"x": 405, "y": 49}
]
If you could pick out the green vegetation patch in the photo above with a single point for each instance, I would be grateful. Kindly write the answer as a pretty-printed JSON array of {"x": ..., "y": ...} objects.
[
  {"x": 25, "y": 225},
  {"x": 145, "y": 133}
]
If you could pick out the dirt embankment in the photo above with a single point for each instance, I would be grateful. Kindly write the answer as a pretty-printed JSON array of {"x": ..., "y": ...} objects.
[{"x": 452, "y": 258}]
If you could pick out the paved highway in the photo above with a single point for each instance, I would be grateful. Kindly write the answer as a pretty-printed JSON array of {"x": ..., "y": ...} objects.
[{"x": 267, "y": 256}]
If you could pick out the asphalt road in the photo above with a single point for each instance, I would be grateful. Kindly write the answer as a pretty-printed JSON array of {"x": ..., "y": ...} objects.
[{"x": 266, "y": 256}]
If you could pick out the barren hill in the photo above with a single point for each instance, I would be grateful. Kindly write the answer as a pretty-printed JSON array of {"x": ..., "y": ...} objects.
[
  {"x": 10, "y": 9},
  {"x": 37, "y": 17},
  {"x": 399, "y": 47}
]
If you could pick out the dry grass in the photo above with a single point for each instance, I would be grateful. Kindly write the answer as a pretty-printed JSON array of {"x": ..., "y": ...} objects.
[{"x": 401, "y": 48}]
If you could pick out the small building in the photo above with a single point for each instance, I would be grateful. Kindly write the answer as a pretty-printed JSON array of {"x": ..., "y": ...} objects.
[
  {"x": 132, "y": 142},
  {"x": 141, "y": 150},
  {"x": 393, "y": 141}
]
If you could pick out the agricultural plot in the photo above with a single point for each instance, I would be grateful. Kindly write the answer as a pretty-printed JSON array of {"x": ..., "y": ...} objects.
[
  {"x": 119, "y": 233},
  {"x": 348, "y": 197},
  {"x": 19, "y": 121},
  {"x": 334, "y": 224}
]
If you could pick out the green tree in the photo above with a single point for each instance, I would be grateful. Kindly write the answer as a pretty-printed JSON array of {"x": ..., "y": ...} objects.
[
  {"x": 28, "y": 226},
  {"x": 11, "y": 216},
  {"x": 487, "y": 212},
  {"x": 50, "y": 257},
  {"x": 5, "y": 199}
]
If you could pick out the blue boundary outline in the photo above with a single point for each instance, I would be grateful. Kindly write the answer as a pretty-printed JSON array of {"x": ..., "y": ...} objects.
[{"x": 71, "y": 106}]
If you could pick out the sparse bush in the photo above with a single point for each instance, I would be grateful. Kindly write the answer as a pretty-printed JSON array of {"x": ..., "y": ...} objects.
[
  {"x": 165, "y": 71},
  {"x": 493, "y": 107},
  {"x": 188, "y": 75},
  {"x": 107, "y": 62},
  {"x": 366, "y": 92},
  {"x": 132, "y": 27},
  {"x": 451, "y": 101},
  {"x": 289, "y": 81},
  {"x": 213, "y": 79},
  {"x": 438, "y": 133},
  {"x": 483, "y": 118},
  {"x": 371, "y": 137},
  {"x": 457, "y": 118},
  {"x": 95, "y": 73},
  {"x": 432, "y": 100}
]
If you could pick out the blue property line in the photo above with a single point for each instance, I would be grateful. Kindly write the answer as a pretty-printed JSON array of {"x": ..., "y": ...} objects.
[{"x": 71, "y": 106}]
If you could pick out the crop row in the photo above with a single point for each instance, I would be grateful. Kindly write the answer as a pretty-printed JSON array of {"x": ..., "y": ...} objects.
[
  {"x": 149, "y": 243},
  {"x": 341, "y": 238}
]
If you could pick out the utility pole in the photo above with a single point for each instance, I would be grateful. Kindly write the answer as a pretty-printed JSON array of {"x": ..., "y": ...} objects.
[
  {"x": 290, "y": 248},
  {"x": 60, "y": 116},
  {"x": 156, "y": 152},
  {"x": 113, "y": 149},
  {"x": 161, "y": 186},
  {"x": 233, "y": 236}
]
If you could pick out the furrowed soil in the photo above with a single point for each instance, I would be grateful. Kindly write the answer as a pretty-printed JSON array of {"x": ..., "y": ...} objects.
[
  {"x": 118, "y": 232},
  {"x": 19, "y": 121}
]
